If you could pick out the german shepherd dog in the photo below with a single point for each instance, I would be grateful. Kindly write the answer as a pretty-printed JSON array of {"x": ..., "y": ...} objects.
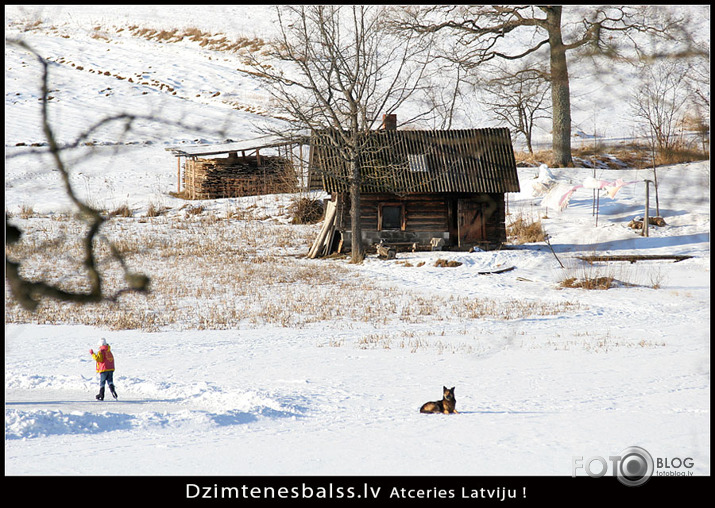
[{"x": 446, "y": 405}]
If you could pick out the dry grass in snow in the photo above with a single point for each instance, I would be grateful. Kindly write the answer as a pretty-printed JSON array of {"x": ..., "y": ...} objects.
[{"x": 212, "y": 271}]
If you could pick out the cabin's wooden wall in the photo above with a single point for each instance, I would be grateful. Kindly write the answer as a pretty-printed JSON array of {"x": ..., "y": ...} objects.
[
  {"x": 423, "y": 212},
  {"x": 426, "y": 216}
]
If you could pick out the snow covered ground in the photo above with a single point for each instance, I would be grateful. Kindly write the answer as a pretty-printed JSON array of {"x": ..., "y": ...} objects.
[{"x": 542, "y": 373}]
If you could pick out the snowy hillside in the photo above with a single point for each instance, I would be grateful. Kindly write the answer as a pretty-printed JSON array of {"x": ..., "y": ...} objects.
[{"x": 248, "y": 359}]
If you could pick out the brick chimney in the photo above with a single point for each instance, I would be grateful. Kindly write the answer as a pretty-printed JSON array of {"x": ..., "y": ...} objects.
[{"x": 389, "y": 122}]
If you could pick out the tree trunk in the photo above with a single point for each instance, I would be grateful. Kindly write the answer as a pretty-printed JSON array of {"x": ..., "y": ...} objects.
[
  {"x": 358, "y": 249},
  {"x": 560, "y": 94}
]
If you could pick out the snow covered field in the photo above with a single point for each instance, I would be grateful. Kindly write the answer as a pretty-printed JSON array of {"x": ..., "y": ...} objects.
[{"x": 542, "y": 373}]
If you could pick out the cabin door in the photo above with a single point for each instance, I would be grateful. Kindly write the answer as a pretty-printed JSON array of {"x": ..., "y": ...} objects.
[{"x": 471, "y": 223}]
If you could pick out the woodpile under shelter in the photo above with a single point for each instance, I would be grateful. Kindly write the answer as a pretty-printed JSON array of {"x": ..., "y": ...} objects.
[
  {"x": 266, "y": 165},
  {"x": 419, "y": 189}
]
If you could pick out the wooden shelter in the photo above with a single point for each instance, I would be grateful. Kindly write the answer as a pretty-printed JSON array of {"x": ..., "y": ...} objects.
[
  {"x": 419, "y": 188},
  {"x": 238, "y": 169}
]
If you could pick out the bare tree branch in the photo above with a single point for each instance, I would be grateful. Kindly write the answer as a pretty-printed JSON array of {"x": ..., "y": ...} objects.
[
  {"x": 518, "y": 97},
  {"x": 483, "y": 33},
  {"x": 28, "y": 292}
]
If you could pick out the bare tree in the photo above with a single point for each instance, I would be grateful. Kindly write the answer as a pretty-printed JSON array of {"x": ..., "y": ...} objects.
[
  {"x": 518, "y": 98},
  {"x": 699, "y": 97},
  {"x": 509, "y": 32},
  {"x": 335, "y": 71},
  {"x": 660, "y": 101}
]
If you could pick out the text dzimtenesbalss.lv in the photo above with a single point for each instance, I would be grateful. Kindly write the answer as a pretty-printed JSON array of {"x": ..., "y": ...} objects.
[{"x": 302, "y": 491}]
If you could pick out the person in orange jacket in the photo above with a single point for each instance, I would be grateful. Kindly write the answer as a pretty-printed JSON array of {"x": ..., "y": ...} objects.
[{"x": 105, "y": 368}]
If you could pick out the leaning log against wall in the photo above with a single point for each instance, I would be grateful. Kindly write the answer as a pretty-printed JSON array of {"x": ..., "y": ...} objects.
[{"x": 237, "y": 176}]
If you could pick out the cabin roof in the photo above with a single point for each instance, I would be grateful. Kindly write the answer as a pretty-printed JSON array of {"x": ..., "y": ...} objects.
[{"x": 431, "y": 161}]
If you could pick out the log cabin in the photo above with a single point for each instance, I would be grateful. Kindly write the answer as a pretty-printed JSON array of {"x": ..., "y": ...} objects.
[{"x": 420, "y": 188}]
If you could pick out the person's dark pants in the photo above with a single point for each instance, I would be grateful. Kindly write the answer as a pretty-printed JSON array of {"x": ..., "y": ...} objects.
[{"x": 108, "y": 378}]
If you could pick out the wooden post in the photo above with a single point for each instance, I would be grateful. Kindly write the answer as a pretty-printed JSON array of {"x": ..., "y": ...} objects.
[
  {"x": 645, "y": 213},
  {"x": 178, "y": 174},
  {"x": 304, "y": 177},
  {"x": 655, "y": 186},
  {"x": 593, "y": 203}
]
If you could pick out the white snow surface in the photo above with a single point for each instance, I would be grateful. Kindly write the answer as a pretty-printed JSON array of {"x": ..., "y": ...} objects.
[{"x": 627, "y": 366}]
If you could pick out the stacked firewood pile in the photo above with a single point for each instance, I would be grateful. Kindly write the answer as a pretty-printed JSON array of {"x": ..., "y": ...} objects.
[{"x": 237, "y": 176}]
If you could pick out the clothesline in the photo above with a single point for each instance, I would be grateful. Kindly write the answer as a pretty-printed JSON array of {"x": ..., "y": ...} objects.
[{"x": 559, "y": 196}]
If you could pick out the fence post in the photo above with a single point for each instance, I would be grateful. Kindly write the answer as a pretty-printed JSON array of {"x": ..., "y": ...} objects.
[{"x": 645, "y": 213}]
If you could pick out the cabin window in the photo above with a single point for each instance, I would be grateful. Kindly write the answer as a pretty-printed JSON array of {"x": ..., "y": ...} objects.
[
  {"x": 391, "y": 216},
  {"x": 417, "y": 162}
]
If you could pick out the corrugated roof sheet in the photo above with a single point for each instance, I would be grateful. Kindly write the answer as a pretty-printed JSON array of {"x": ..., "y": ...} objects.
[
  {"x": 224, "y": 148},
  {"x": 405, "y": 161}
]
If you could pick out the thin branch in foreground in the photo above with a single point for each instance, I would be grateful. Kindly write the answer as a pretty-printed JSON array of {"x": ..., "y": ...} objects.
[{"x": 27, "y": 292}]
